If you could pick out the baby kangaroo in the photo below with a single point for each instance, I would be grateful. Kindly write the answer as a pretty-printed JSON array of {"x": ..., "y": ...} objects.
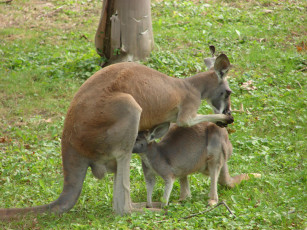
[{"x": 204, "y": 148}]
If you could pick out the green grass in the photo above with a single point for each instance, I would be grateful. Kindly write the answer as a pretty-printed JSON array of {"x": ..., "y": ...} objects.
[{"x": 47, "y": 51}]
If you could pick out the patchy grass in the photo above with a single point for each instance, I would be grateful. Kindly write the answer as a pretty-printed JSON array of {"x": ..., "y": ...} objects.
[{"x": 47, "y": 51}]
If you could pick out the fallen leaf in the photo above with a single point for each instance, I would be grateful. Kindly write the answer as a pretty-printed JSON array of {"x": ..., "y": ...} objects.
[
  {"x": 2, "y": 139},
  {"x": 248, "y": 85},
  {"x": 49, "y": 120},
  {"x": 230, "y": 130},
  {"x": 268, "y": 11},
  {"x": 262, "y": 40},
  {"x": 301, "y": 47}
]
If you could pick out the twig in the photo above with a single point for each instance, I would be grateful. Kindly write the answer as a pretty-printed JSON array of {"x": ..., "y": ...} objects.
[
  {"x": 83, "y": 36},
  {"x": 241, "y": 110},
  {"x": 200, "y": 213},
  {"x": 228, "y": 209},
  {"x": 302, "y": 69},
  {"x": 299, "y": 84}
]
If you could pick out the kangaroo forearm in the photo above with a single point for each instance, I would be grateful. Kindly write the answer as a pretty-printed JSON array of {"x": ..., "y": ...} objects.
[{"x": 214, "y": 118}]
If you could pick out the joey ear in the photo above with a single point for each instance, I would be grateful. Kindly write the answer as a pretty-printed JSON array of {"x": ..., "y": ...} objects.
[
  {"x": 209, "y": 62},
  {"x": 158, "y": 131},
  {"x": 212, "y": 50},
  {"x": 221, "y": 66}
]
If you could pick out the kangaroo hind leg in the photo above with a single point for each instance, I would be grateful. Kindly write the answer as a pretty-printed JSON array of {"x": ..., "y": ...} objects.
[{"x": 121, "y": 137}]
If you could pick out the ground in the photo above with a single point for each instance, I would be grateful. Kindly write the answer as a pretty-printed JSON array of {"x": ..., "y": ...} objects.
[{"x": 47, "y": 51}]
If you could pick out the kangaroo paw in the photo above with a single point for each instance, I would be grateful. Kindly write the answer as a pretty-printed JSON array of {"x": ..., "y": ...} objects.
[{"x": 229, "y": 120}]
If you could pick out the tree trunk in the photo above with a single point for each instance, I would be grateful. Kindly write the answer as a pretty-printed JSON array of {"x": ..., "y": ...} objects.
[{"x": 124, "y": 32}]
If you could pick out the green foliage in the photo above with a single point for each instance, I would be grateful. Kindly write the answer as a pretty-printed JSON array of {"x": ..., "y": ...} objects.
[
  {"x": 80, "y": 60},
  {"x": 45, "y": 58}
]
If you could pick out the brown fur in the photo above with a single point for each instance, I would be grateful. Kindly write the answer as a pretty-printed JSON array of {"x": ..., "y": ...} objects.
[{"x": 106, "y": 114}]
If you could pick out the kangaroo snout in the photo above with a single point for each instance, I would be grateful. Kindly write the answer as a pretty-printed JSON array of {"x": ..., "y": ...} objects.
[{"x": 227, "y": 111}]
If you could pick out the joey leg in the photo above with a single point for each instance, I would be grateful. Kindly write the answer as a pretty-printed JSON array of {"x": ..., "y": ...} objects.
[
  {"x": 224, "y": 177},
  {"x": 184, "y": 188},
  {"x": 169, "y": 182},
  {"x": 226, "y": 180},
  {"x": 150, "y": 179},
  {"x": 214, "y": 170}
]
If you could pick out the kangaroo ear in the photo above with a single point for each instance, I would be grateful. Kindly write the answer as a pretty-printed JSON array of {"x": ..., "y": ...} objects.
[
  {"x": 158, "y": 131},
  {"x": 221, "y": 66}
]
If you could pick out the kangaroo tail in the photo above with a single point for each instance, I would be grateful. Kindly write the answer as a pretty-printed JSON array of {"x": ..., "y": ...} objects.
[{"x": 75, "y": 168}]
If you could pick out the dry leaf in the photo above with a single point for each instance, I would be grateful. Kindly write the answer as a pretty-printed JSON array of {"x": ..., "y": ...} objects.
[
  {"x": 49, "y": 120},
  {"x": 268, "y": 11},
  {"x": 248, "y": 85},
  {"x": 301, "y": 47},
  {"x": 2, "y": 139}
]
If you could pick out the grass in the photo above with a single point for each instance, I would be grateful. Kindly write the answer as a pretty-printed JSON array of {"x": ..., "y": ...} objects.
[{"x": 47, "y": 51}]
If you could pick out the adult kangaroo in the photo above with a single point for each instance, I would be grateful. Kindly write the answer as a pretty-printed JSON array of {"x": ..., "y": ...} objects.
[
  {"x": 204, "y": 148},
  {"x": 109, "y": 110}
]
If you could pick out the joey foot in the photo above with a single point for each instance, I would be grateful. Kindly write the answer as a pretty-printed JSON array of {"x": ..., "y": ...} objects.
[{"x": 229, "y": 120}]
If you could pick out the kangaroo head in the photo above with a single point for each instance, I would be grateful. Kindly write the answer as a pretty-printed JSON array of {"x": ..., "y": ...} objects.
[
  {"x": 145, "y": 138},
  {"x": 141, "y": 143},
  {"x": 219, "y": 98}
]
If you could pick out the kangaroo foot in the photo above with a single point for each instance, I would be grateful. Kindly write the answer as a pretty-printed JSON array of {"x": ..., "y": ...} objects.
[{"x": 212, "y": 202}]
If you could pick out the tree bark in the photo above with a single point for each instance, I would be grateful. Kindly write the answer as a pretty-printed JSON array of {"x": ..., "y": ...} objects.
[{"x": 124, "y": 32}]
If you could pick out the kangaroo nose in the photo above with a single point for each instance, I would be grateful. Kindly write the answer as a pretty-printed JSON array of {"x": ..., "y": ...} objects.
[{"x": 227, "y": 112}]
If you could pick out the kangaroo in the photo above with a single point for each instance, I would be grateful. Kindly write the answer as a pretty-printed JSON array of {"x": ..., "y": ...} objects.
[
  {"x": 109, "y": 110},
  {"x": 203, "y": 148}
]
